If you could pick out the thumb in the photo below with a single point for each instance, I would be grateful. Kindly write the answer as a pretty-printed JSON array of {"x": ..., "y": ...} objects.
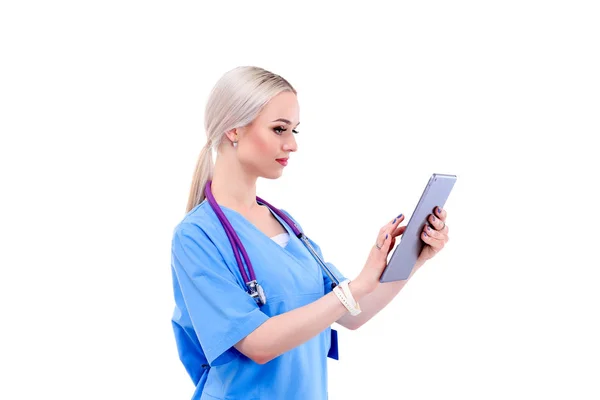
[{"x": 399, "y": 231}]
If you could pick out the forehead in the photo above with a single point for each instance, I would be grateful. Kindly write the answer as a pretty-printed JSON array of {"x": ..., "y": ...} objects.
[{"x": 284, "y": 105}]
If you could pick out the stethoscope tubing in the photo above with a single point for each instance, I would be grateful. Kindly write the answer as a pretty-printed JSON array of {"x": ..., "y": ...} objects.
[
  {"x": 238, "y": 247},
  {"x": 232, "y": 236}
]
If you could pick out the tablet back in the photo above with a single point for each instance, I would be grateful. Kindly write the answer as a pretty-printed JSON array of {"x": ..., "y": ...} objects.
[{"x": 407, "y": 252}]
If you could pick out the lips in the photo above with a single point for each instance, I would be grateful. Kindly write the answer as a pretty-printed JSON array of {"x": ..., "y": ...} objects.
[{"x": 282, "y": 161}]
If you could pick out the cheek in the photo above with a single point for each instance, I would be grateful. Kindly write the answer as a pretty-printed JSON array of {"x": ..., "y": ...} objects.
[{"x": 264, "y": 145}]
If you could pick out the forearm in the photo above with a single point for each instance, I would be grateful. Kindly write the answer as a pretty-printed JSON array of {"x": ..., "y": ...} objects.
[
  {"x": 375, "y": 301},
  {"x": 286, "y": 331}
]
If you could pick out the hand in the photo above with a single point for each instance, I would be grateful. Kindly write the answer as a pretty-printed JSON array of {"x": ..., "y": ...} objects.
[
  {"x": 435, "y": 237},
  {"x": 368, "y": 279}
]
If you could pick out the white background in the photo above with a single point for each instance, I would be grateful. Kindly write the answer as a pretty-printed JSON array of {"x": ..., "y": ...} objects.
[{"x": 101, "y": 116}]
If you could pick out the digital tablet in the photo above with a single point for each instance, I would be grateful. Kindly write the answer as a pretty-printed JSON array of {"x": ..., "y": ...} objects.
[{"x": 407, "y": 251}]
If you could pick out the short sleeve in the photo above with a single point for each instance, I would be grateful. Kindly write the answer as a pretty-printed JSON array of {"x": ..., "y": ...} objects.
[{"x": 221, "y": 311}]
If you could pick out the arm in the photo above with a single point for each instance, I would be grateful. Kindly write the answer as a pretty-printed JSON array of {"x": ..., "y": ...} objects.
[
  {"x": 286, "y": 331},
  {"x": 435, "y": 240},
  {"x": 374, "y": 302}
]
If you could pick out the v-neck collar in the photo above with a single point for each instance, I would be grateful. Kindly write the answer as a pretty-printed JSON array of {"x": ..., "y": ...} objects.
[
  {"x": 255, "y": 228},
  {"x": 293, "y": 242}
]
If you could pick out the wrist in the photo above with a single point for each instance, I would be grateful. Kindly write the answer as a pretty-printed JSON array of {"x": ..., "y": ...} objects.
[
  {"x": 418, "y": 265},
  {"x": 358, "y": 289},
  {"x": 344, "y": 293}
]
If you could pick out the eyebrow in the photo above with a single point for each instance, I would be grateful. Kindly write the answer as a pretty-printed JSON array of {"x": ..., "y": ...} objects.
[{"x": 284, "y": 120}]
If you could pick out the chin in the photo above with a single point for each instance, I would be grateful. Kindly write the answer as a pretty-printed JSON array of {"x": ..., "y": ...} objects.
[{"x": 272, "y": 175}]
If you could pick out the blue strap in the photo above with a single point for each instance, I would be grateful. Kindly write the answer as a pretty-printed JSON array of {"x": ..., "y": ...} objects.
[{"x": 333, "y": 349}]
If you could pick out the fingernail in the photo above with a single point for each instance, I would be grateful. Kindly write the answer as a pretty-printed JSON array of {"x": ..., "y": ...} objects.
[
  {"x": 428, "y": 229},
  {"x": 425, "y": 233},
  {"x": 394, "y": 220},
  {"x": 439, "y": 210},
  {"x": 399, "y": 215},
  {"x": 386, "y": 235}
]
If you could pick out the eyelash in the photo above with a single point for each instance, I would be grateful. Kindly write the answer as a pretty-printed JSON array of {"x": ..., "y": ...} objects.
[{"x": 282, "y": 129}]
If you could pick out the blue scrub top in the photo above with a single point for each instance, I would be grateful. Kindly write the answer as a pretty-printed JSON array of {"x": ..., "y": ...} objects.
[{"x": 214, "y": 311}]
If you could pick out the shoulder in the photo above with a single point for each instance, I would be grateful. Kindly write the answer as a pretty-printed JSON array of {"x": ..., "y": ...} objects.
[
  {"x": 289, "y": 215},
  {"x": 294, "y": 220},
  {"x": 197, "y": 244},
  {"x": 198, "y": 224}
]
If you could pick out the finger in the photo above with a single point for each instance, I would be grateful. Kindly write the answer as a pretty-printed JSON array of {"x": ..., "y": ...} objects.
[
  {"x": 440, "y": 213},
  {"x": 431, "y": 240},
  {"x": 384, "y": 233},
  {"x": 383, "y": 242},
  {"x": 433, "y": 233},
  {"x": 394, "y": 224},
  {"x": 392, "y": 244},
  {"x": 399, "y": 231},
  {"x": 387, "y": 243},
  {"x": 437, "y": 223}
]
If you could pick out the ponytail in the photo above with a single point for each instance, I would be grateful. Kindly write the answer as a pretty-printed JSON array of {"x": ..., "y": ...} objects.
[{"x": 204, "y": 172}]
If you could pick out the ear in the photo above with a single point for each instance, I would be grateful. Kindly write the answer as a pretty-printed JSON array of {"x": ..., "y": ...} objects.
[{"x": 232, "y": 135}]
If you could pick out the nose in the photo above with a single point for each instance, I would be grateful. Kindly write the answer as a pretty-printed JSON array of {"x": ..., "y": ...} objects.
[{"x": 290, "y": 144}]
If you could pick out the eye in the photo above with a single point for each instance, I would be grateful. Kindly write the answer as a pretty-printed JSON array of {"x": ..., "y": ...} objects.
[{"x": 279, "y": 130}]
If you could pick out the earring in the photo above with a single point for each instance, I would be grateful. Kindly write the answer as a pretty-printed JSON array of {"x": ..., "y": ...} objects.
[{"x": 235, "y": 144}]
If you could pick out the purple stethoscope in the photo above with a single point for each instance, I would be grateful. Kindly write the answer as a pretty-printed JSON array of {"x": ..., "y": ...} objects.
[{"x": 253, "y": 287}]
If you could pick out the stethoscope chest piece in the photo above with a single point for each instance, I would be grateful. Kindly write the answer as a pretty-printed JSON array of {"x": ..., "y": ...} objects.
[{"x": 257, "y": 292}]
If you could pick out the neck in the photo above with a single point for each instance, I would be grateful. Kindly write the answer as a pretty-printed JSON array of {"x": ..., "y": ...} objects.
[{"x": 233, "y": 187}]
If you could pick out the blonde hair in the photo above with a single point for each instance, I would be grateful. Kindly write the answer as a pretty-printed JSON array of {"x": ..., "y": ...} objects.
[{"x": 235, "y": 101}]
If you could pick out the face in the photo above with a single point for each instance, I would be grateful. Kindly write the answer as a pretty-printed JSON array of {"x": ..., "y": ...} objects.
[{"x": 265, "y": 144}]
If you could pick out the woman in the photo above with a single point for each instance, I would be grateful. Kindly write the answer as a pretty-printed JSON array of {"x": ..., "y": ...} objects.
[{"x": 232, "y": 345}]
